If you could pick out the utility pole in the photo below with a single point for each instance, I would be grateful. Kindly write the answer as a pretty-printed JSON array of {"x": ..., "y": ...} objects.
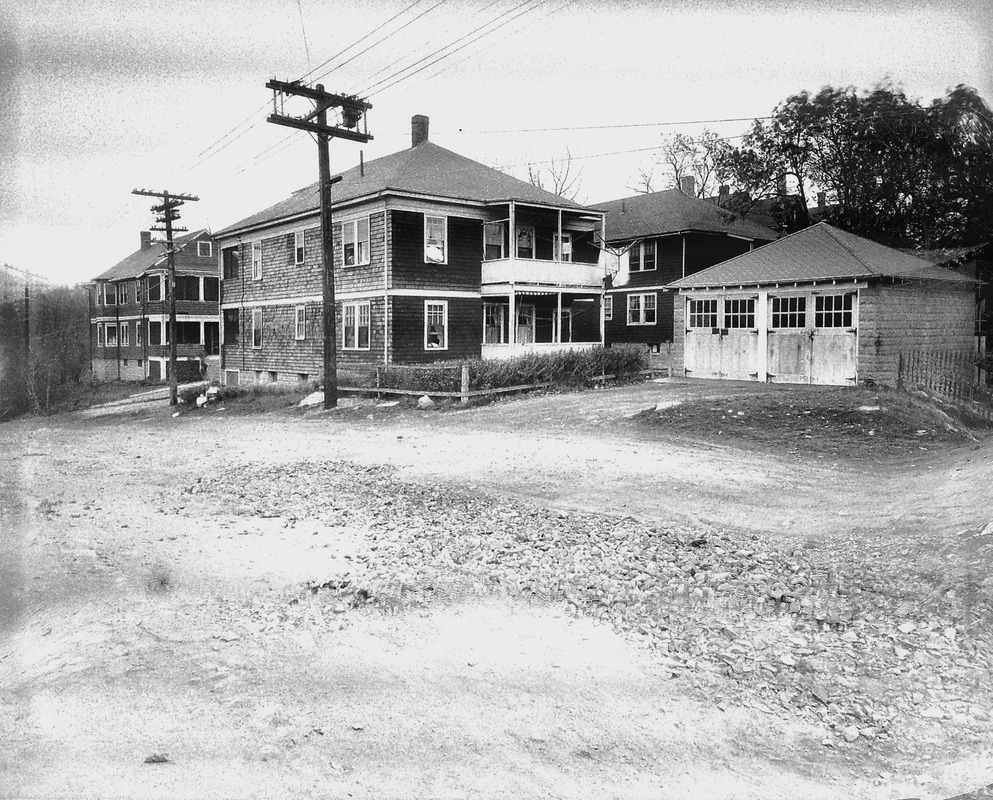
[
  {"x": 353, "y": 111},
  {"x": 170, "y": 202}
]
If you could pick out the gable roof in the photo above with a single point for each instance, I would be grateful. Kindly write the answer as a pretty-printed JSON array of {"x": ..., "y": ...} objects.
[
  {"x": 426, "y": 169},
  {"x": 673, "y": 211},
  {"x": 143, "y": 260},
  {"x": 818, "y": 253}
]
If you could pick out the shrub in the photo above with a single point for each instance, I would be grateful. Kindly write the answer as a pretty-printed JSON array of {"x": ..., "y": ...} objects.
[{"x": 576, "y": 368}]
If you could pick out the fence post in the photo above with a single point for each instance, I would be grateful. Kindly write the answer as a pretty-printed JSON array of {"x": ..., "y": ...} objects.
[
  {"x": 464, "y": 399},
  {"x": 899, "y": 372},
  {"x": 378, "y": 384}
]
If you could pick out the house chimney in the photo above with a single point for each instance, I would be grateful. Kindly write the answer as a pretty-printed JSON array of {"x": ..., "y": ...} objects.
[
  {"x": 418, "y": 129},
  {"x": 821, "y": 203},
  {"x": 688, "y": 184},
  {"x": 723, "y": 195},
  {"x": 146, "y": 239}
]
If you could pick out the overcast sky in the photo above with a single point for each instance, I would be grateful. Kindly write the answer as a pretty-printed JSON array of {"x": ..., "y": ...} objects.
[{"x": 101, "y": 97}]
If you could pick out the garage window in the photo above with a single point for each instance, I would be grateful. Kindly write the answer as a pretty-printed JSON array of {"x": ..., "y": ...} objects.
[
  {"x": 789, "y": 312},
  {"x": 833, "y": 310},
  {"x": 739, "y": 312},
  {"x": 703, "y": 313}
]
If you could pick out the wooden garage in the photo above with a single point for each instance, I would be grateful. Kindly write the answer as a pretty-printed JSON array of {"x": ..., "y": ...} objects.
[{"x": 820, "y": 306}]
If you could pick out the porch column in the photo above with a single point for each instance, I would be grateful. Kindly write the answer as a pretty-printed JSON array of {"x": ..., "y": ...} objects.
[
  {"x": 512, "y": 322},
  {"x": 558, "y": 318},
  {"x": 560, "y": 248},
  {"x": 512, "y": 233}
]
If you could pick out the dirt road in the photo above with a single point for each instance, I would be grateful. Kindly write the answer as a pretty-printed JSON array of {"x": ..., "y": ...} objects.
[{"x": 161, "y": 597}]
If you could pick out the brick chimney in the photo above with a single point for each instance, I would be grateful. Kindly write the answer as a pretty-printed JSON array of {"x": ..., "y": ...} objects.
[
  {"x": 688, "y": 184},
  {"x": 146, "y": 239},
  {"x": 723, "y": 195},
  {"x": 418, "y": 129},
  {"x": 821, "y": 203}
]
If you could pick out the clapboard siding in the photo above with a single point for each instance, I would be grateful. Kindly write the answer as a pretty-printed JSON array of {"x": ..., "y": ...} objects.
[
  {"x": 465, "y": 320},
  {"x": 463, "y": 271}
]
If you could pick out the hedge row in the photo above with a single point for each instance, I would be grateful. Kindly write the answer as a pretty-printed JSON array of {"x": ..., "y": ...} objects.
[{"x": 574, "y": 369}]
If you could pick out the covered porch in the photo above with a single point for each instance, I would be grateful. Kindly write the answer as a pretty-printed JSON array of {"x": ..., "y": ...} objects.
[{"x": 540, "y": 321}]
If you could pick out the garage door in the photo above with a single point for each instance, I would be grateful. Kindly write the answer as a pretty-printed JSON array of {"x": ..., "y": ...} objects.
[
  {"x": 722, "y": 340},
  {"x": 813, "y": 338}
]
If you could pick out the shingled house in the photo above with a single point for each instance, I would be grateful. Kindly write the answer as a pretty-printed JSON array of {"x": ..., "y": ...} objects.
[
  {"x": 435, "y": 257},
  {"x": 653, "y": 239},
  {"x": 820, "y": 306},
  {"x": 129, "y": 312}
]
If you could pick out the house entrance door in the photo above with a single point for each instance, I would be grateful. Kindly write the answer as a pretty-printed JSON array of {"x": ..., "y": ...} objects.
[{"x": 525, "y": 324}]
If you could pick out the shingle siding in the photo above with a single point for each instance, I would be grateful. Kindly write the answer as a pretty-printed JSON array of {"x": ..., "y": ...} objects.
[
  {"x": 463, "y": 272},
  {"x": 898, "y": 318},
  {"x": 465, "y": 321}
]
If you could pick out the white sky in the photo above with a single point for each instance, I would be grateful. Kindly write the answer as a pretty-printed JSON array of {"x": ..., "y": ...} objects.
[{"x": 104, "y": 96}]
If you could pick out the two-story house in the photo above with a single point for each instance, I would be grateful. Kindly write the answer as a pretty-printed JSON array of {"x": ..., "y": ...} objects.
[
  {"x": 656, "y": 238},
  {"x": 436, "y": 257},
  {"x": 129, "y": 312}
]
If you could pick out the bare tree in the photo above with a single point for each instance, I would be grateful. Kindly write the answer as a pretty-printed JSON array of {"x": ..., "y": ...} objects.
[
  {"x": 643, "y": 184},
  {"x": 557, "y": 177},
  {"x": 680, "y": 156}
]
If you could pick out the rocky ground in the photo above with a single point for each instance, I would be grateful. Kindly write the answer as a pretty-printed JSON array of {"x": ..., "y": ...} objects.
[{"x": 692, "y": 588}]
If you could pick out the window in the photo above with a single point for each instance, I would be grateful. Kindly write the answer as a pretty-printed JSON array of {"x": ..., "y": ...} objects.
[
  {"x": 111, "y": 334},
  {"x": 125, "y": 334},
  {"x": 493, "y": 237},
  {"x": 789, "y": 312},
  {"x": 154, "y": 288},
  {"x": 739, "y": 312},
  {"x": 232, "y": 326},
  {"x": 230, "y": 259},
  {"x": 608, "y": 307},
  {"x": 100, "y": 339},
  {"x": 256, "y": 328},
  {"x": 211, "y": 289},
  {"x": 562, "y": 248},
  {"x": 256, "y": 261},
  {"x": 300, "y": 323},
  {"x": 833, "y": 310},
  {"x": 641, "y": 309},
  {"x": 703, "y": 313},
  {"x": 187, "y": 288},
  {"x": 299, "y": 247},
  {"x": 205, "y": 249},
  {"x": 355, "y": 326},
  {"x": 436, "y": 240},
  {"x": 436, "y": 325},
  {"x": 355, "y": 242},
  {"x": 109, "y": 294},
  {"x": 138, "y": 325},
  {"x": 122, "y": 293},
  {"x": 525, "y": 242},
  {"x": 139, "y": 291},
  {"x": 155, "y": 333},
  {"x": 188, "y": 333},
  {"x": 642, "y": 256}
]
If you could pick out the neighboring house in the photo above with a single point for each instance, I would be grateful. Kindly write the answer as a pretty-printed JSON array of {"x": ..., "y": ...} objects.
[
  {"x": 129, "y": 312},
  {"x": 435, "y": 257},
  {"x": 653, "y": 239},
  {"x": 819, "y": 306}
]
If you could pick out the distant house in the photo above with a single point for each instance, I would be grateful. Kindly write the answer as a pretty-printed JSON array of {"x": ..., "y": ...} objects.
[
  {"x": 129, "y": 311},
  {"x": 653, "y": 239},
  {"x": 436, "y": 257},
  {"x": 819, "y": 306}
]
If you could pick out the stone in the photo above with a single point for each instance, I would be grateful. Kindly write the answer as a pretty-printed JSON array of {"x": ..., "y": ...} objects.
[
  {"x": 906, "y": 627},
  {"x": 850, "y": 733},
  {"x": 425, "y": 403},
  {"x": 312, "y": 399},
  {"x": 157, "y": 758},
  {"x": 339, "y": 608}
]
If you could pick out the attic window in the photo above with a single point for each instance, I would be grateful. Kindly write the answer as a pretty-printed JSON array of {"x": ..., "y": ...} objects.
[{"x": 205, "y": 249}]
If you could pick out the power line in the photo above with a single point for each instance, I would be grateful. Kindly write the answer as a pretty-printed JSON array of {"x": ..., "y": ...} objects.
[
  {"x": 303, "y": 30},
  {"x": 378, "y": 84}
]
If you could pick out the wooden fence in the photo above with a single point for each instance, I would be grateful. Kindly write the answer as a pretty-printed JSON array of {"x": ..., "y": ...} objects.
[{"x": 953, "y": 374}]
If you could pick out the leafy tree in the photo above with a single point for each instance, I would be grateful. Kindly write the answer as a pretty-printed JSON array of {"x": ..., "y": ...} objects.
[{"x": 891, "y": 169}]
